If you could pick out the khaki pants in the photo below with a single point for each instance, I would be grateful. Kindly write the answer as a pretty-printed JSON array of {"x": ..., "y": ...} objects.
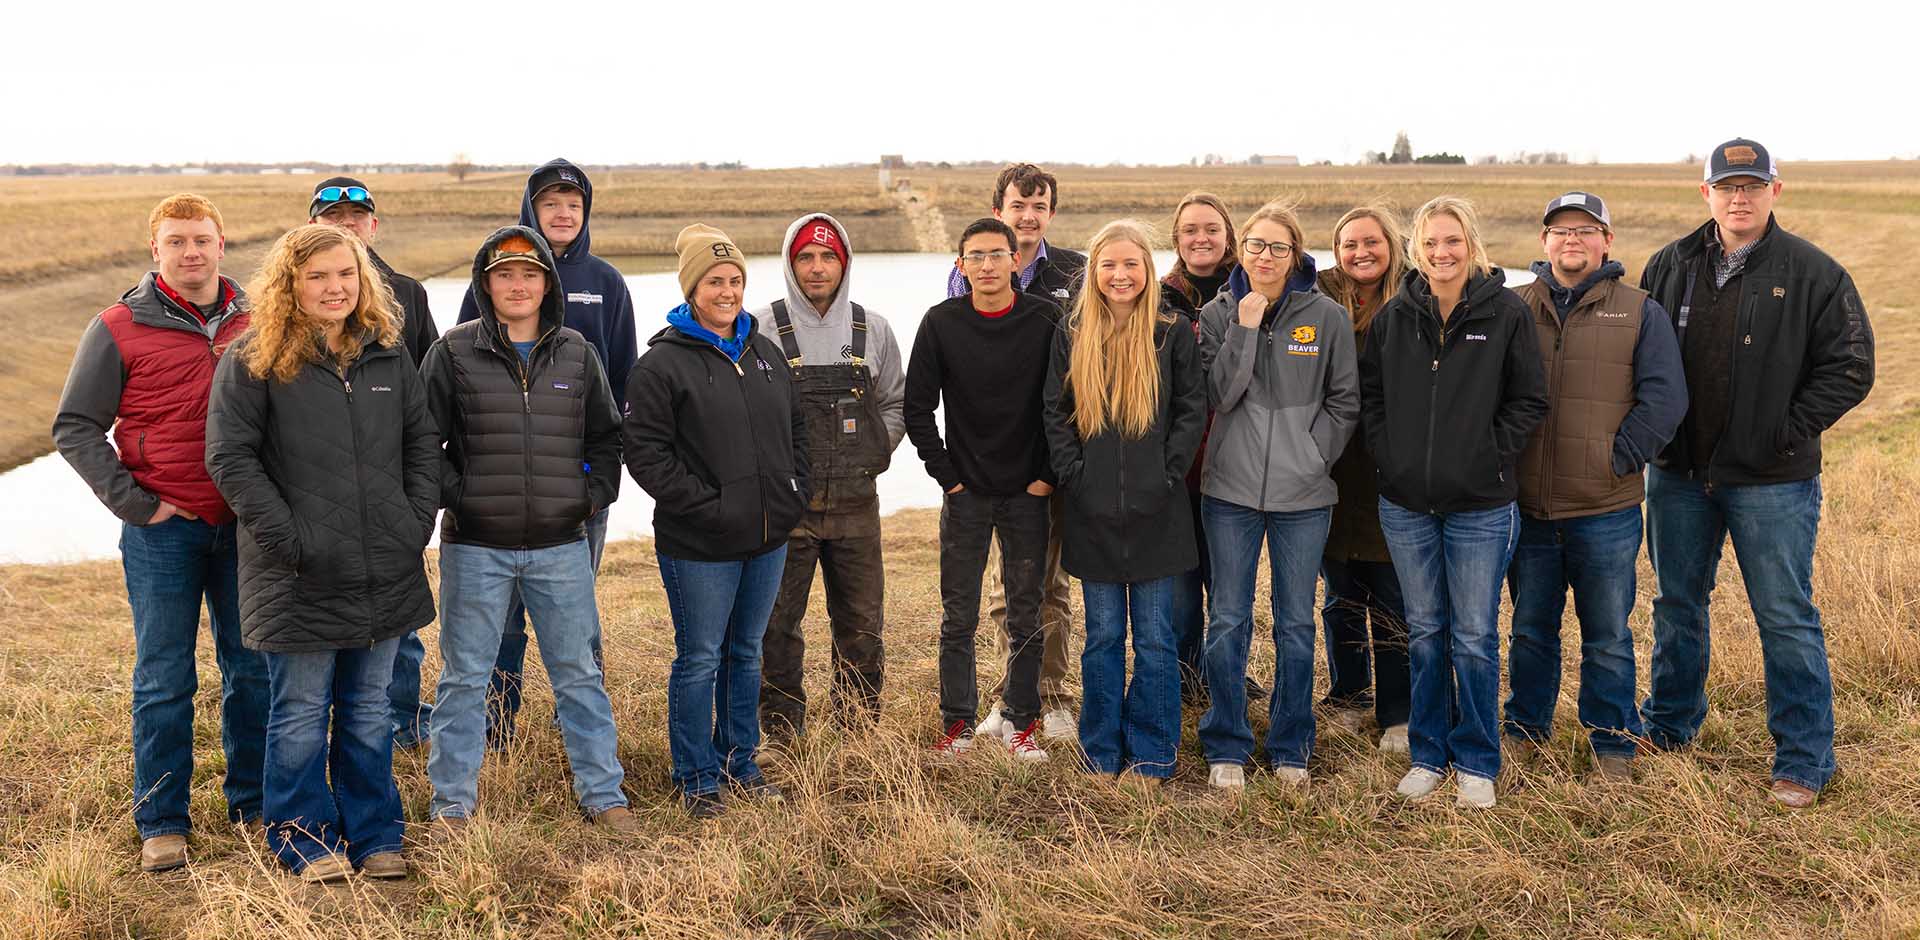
[{"x": 1056, "y": 619}]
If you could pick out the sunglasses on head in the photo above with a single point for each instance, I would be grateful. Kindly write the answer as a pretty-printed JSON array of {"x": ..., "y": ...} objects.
[{"x": 339, "y": 193}]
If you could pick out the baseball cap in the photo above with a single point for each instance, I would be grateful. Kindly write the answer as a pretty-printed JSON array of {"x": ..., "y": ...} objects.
[
  {"x": 515, "y": 248},
  {"x": 557, "y": 176},
  {"x": 1585, "y": 202},
  {"x": 336, "y": 190},
  {"x": 1741, "y": 157}
]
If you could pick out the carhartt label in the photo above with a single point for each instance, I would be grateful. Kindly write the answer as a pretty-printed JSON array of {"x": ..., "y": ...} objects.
[
  {"x": 584, "y": 297},
  {"x": 850, "y": 426}
]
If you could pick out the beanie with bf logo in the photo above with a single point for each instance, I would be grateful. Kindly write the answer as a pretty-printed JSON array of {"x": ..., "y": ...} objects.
[{"x": 701, "y": 248}]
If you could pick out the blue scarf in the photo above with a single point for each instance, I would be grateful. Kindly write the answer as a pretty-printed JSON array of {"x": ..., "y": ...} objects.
[{"x": 681, "y": 318}]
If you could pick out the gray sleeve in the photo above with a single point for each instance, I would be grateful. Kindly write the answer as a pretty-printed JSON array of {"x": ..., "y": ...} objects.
[
  {"x": 1227, "y": 352},
  {"x": 89, "y": 405},
  {"x": 889, "y": 378}
]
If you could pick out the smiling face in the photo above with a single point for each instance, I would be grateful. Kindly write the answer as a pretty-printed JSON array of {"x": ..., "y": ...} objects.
[
  {"x": 1029, "y": 216},
  {"x": 327, "y": 287},
  {"x": 187, "y": 253},
  {"x": 1741, "y": 215},
  {"x": 560, "y": 211},
  {"x": 716, "y": 297},
  {"x": 1576, "y": 245},
  {"x": 516, "y": 289},
  {"x": 1121, "y": 273},
  {"x": 1363, "y": 252},
  {"x": 1443, "y": 251},
  {"x": 1200, "y": 238}
]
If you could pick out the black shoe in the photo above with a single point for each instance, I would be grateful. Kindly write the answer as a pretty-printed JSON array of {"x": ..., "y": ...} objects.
[
  {"x": 703, "y": 805},
  {"x": 1255, "y": 691}
]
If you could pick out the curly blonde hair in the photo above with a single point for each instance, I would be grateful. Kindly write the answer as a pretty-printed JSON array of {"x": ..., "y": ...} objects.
[{"x": 282, "y": 338}]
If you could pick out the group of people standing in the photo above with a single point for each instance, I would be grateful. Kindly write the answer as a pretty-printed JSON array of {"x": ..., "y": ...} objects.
[{"x": 1402, "y": 426}]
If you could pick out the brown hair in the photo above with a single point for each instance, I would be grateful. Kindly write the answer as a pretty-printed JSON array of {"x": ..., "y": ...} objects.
[
  {"x": 185, "y": 206},
  {"x": 1030, "y": 179},
  {"x": 1211, "y": 201},
  {"x": 1339, "y": 285},
  {"x": 283, "y": 338},
  {"x": 1281, "y": 211}
]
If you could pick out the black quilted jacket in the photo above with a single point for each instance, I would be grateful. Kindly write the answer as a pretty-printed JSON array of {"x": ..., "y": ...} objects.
[{"x": 335, "y": 478}]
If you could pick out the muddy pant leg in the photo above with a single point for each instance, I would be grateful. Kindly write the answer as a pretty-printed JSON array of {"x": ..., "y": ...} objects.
[
  {"x": 856, "y": 599},
  {"x": 783, "y": 693}
]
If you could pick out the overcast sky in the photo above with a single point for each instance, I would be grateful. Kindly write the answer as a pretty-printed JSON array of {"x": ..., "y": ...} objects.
[{"x": 796, "y": 84}]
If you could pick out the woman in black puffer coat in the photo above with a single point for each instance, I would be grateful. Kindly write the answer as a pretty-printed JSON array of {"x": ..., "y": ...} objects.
[{"x": 318, "y": 435}]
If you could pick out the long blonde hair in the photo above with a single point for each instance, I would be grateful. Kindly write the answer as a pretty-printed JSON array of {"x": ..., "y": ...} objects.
[
  {"x": 1339, "y": 285},
  {"x": 282, "y": 338},
  {"x": 1462, "y": 212},
  {"x": 1113, "y": 370}
]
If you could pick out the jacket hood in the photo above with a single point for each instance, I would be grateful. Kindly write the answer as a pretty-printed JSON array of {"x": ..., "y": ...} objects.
[
  {"x": 1303, "y": 279},
  {"x": 563, "y": 170},
  {"x": 1564, "y": 297},
  {"x": 841, "y": 309},
  {"x": 553, "y": 306},
  {"x": 153, "y": 305},
  {"x": 685, "y": 329}
]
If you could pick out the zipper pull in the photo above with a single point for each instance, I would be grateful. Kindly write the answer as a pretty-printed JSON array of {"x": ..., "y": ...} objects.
[
  {"x": 1436, "y": 364},
  {"x": 526, "y": 401},
  {"x": 739, "y": 371}
]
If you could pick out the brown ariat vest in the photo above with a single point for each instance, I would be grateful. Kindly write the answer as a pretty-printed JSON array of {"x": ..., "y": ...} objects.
[{"x": 1567, "y": 469}]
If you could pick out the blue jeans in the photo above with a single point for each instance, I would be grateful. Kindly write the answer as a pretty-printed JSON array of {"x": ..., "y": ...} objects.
[
  {"x": 170, "y": 568},
  {"x": 1363, "y": 671},
  {"x": 1141, "y": 730},
  {"x": 1191, "y": 592},
  {"x": 509, "y": 666},
  {"x": 1774, "y": 528},
  {"x": 476, "y": 585},
  {"x": 720, "y": 611},
  {"x": 1450, "y": 567},
  {"x": 412, "y": 718},
  {"x": 1594, "y": 556},
  {"x": 1294, "y": 542},
  {"x": 329, "y": 722}
]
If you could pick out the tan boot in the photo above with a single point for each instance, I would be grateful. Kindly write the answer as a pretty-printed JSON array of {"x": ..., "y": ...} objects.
[
  {"x": 1615, "y": 768},
  {"x": 384, "y": 865},
  {"x": 617, "y": 820},
  {"x": 163, "y": 853},
  {"x": 327, "y": 869},
  {"x": 1792, "y": 795}
]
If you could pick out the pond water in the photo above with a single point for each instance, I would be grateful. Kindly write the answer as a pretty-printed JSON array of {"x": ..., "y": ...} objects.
[{"x": 53, "y": 517}]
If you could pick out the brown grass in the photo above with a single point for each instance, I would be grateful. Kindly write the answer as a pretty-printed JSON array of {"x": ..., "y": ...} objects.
[{"x": 879, "y": 841}]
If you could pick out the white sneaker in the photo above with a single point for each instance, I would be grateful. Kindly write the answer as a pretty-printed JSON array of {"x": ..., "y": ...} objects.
[
  {"x": 1060, "y": 725},
  {"x": 1476, "y": 792},
  {"x": 1227, "y": 776},
  {"x": 1020, "y": 745},
  {"x": 995, "y": 725},
  {"x": 1295, "y": 777},
  {"x": 1348, "y": 720},
  {"x": 1418, "y": 784},
  {"x": 1394, "y": 740}
]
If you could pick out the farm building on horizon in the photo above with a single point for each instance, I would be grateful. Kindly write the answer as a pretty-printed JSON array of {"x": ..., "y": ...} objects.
[{"x": 1273, "y": 159}]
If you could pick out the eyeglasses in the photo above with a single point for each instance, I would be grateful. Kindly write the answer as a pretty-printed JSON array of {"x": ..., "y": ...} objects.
[
  {"x": 974, "y": 259},
  {"x": 1253, "y": 246},
  {"x": 1744, "y": 189},
  {"x": 1584, "y": 231},
  {"x": 339, "y": 193}
]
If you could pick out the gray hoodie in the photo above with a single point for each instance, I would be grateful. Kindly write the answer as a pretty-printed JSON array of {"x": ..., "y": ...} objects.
[
  {"x": 826, "y": 340},
  {"x": 1286, "y": 398}
]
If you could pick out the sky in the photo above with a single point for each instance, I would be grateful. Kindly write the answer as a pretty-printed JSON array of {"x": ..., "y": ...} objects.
[{"x": 803, "y": 84}]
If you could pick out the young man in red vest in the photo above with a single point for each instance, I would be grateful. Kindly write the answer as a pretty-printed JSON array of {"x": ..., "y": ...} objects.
[{"x": 141, "y": 376}]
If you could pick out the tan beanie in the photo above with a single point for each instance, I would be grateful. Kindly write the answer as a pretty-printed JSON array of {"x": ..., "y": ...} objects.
[{"x": 701, "y": 248}]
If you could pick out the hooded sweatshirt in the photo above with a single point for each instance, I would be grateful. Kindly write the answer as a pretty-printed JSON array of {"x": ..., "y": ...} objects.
[
  {"x": 1285, "y": 394},
  {"x": 598, "y": 306},
  {"x": 533, "y": 446},
  {"x": 828, "y": 339}
]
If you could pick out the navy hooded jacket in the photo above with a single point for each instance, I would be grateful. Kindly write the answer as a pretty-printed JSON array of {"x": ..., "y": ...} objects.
[{"x": 598, "y": 305}]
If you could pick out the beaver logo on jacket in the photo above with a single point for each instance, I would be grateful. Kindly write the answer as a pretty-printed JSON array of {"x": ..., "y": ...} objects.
[{"x": 1304, "y": 342}]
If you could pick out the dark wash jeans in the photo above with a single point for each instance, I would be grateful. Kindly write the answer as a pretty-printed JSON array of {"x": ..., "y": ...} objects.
[
  {"x": 170, "y": 568},
  {"x": 968, "y": 522},
  {"x": 330, "y": 756},
  {"x": 1594, "y": 556},
  {"x": 720, "y": 611},
  {"x": 1130, "y": 725},
  {"x": 1774, "y": 528},
  {"x": 1451, "y": 566},
  {"x": 503, "y": 687},
  {"x": 1192, "y": 606},
  {"x": 1363, "y": 671}
]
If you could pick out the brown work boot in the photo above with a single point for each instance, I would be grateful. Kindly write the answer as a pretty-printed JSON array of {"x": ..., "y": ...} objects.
[
  {"x": 618, "y": 820},
  {"x": 1519, "y": 750},
  {"x": 1615, "y": 768},
  {"x": 384, "y": 865},
  {"x": 163, "y": 853},
  {"x": 1792, "y": 795},
  {"x": 327, "y": 869},
  {"x": 444, "y": 829}
]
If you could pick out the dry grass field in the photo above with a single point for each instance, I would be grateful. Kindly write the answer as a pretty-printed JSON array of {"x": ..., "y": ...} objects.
[{"x": 879, "y": 840}]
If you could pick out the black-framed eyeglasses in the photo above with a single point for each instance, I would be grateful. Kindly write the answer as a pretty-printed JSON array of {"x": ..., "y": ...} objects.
[
  {"x": 1253, "y": 246},
  {"x": 973, "y": 259},
  {"x": 342, "y": 193},
  {"x": 1584, "y": 231},
  {"x": 1744, "y": 189}
]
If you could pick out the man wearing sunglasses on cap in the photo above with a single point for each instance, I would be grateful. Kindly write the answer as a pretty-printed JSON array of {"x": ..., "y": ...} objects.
[
  {"x": 346, "y": 202},
  {"x": 1776, "y": 347}
]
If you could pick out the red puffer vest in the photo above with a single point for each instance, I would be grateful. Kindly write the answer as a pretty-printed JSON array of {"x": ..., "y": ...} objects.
[{"x": 168, "y": 362}]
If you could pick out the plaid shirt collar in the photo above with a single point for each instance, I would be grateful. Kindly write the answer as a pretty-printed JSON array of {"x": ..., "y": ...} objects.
[{"x": 1728, "y": 264}]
